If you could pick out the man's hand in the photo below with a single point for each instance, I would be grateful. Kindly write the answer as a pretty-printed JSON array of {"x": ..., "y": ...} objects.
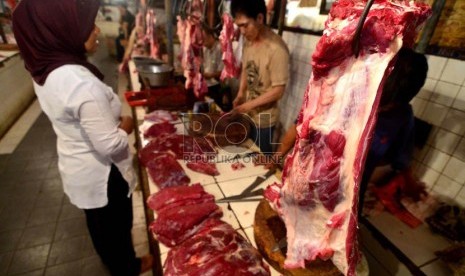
[{"x": 240, "y": 99}]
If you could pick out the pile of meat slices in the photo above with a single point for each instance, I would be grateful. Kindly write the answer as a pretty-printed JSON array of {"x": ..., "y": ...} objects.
[
  {"x": 188, "y": 222},
  {"x": 160, "y": 156},
  {"x": 319, "y": 195}
]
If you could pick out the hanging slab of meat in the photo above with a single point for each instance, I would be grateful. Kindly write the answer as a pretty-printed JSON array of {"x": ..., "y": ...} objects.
[
  {"x": 217, "y": 249},
  {"x": 190, "y": 35},
  {"x": 165, "y": 171},
  {"x": 151, "y": 34},
  {"x": 202, "y": 165},
  {"x": 318, "y": 199},
  {"x": 174, "y": 225},
  {"x": 159, "y": 129},
  {"x": 172, "y": 197},
  {"x": 231, "y": 67}
]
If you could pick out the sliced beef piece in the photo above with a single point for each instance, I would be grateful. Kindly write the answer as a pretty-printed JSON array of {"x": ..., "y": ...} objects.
[
  {"x": 172, "y": 197},
  {"x": 217, "y": 249},
  {"x": 182, "y": 146},
  {"x": 175, "y": 225},
  {"x": 165, "y": 171},
  {"x": 158, "y": 129}
]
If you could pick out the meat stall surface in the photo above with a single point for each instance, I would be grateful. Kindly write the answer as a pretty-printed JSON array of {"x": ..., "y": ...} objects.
[{"x": 318, "y": 199}]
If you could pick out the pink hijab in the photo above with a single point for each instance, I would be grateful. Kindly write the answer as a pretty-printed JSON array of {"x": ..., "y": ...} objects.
[{"x": 52, "y": 33}]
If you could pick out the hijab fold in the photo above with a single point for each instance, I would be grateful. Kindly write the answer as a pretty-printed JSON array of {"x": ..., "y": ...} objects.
[{"x": 52, "y": 33}]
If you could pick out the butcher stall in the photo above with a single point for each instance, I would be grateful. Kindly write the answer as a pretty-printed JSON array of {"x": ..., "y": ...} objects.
[{"x": 210, "y": 207}]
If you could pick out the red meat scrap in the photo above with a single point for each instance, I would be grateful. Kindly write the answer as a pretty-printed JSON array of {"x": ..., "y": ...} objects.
[{"x": 204, "y": 166}]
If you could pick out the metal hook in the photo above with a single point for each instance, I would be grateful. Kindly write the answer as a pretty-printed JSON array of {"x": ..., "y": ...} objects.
[{"x": 358, "y": 31}]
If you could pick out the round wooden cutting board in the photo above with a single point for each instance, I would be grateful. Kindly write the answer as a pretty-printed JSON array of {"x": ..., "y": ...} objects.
[{"x": 268, "y": 230}]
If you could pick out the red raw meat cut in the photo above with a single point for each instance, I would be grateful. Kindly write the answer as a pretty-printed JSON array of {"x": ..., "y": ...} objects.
[
  {"x": 183, "y": 146},
  {"x": 319, "y": 196},
  {"x": 217, "y": 249},
  {"x": 159, "y": 129},
  {"x": 165, "y": 171},
  {"x": 173, "y": 197},
  {"x": 237, "y": 166},
  {"x": 203, "y": 166},
  {"x": 174, "y": 225},
  {"x": 231, "y": 67},
  {"x": 160, "y": 116}
]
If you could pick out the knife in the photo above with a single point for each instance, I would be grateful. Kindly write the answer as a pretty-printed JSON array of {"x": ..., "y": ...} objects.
[{"x": 249, "y": 191}]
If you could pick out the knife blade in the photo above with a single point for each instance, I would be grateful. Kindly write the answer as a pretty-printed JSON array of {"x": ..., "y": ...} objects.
[{"x": 249, "y": 191}]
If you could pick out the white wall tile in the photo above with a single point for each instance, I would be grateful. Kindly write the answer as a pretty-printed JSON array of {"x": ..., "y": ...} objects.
[
  {"x": 435, "y": 66},
  {"x": 445, "y": 93},
  {"x": 419, "y": 154},
  {"x": 434, "y": 113},
  {"x": 427, "y": 89},
  {"x": 455, "y": 169},
  {"x": 419, "y": 106},
  {"x": 446, "y": 141},
  {"x": 460, "y": 199},
  {"x": 455, "y": 121},
  {"x": 427, "y": 175},
  {"x": 459, "y": 102},
  {"x": 446, "y": 187},
  {"x": 436, "y": 160},
  {"x": 454, "y": 71},
  {"x": 460, "y": 150}
]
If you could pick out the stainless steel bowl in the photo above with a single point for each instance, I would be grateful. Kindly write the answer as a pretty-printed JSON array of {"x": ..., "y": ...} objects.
[
  {"x": 156, "y": 75},
  {"x": 143, "y": 60}
]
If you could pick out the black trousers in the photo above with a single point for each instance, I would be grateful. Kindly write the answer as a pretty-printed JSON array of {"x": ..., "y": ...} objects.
[{"x": 110, "y": 228}]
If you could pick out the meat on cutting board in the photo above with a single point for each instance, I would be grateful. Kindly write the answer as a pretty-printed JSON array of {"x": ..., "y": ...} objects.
[
  {"x": 174, "y": 225},
  {"x": 165, "y": 171},
  {"x": 172, "y": 197},
  {"x": 319, "y": 195},
  {"x": 217, "y": 249}
]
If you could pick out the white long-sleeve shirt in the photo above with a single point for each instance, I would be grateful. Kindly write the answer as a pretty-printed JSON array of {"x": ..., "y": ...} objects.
[{"x": 85, "y": 116}]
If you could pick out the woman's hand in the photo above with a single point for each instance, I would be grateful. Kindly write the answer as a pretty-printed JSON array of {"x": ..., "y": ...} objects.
[{"x": 126, "y": 124}]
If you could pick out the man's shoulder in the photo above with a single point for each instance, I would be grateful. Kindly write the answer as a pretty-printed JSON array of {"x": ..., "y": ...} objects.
[{"x": 275, "y": 42}]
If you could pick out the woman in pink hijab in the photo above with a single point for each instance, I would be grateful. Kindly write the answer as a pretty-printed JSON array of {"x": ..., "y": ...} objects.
[{"x": 94, "y": 161}]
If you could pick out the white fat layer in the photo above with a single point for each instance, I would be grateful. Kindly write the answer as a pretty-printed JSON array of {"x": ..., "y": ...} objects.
[{"x": 351, "y": 93}]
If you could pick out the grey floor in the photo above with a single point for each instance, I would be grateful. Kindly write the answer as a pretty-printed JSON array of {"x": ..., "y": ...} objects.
[{"x": 41, "y": 233}]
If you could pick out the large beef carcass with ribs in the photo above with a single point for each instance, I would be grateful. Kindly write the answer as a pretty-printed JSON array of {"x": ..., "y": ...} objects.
[{"x": 319, "y": 195}]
